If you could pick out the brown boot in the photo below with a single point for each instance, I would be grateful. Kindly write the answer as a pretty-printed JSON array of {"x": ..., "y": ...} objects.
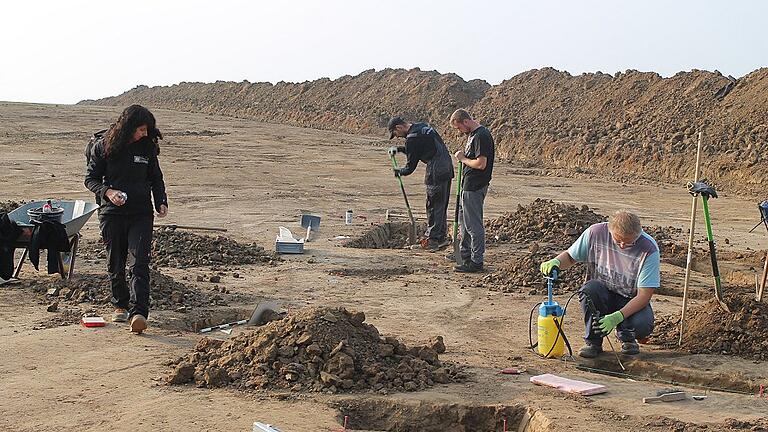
[{"x": 138, "y": 324}]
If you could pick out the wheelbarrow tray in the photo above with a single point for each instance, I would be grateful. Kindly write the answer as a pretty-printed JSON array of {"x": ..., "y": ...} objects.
[{"x": 76, "y": 214}]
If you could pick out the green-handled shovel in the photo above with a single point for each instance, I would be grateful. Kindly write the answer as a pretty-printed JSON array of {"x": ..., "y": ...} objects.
[{"x": 412, "y": 230}]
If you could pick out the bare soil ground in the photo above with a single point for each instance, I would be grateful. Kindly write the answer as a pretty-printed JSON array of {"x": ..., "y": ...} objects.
[{"x": 252, "y": 177}]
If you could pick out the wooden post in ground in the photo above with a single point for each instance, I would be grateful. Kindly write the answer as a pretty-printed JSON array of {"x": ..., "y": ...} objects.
[{"x": 691, "y": 234}]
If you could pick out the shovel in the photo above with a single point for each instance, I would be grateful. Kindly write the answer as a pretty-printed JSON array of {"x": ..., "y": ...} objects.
[
  {"x": 412, "y": 231},
  {"x": 706, "y": 191},
  {"x": 456, "y": 241}
]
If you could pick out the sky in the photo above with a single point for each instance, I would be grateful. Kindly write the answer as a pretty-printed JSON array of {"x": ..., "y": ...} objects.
[{"x": 65, "y": 51}]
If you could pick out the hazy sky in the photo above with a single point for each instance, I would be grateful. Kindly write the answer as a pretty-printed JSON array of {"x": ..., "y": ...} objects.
[{"x": 64, "y": 51}]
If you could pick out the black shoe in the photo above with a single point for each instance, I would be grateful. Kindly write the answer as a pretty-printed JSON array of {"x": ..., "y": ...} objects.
[
  {"x": 469, "y": 266},
  {"x": 590, "y": 351},
  {"x": 630, "y": 348},
  {"x": 433, "y": 246}
]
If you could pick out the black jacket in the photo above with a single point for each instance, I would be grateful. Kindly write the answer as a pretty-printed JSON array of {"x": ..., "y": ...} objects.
[
  {"x": 424, "y": 144},
  {"x": 135, "y": 171}
]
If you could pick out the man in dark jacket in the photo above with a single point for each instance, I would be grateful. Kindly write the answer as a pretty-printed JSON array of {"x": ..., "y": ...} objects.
[{"x": 423, "y": 143}]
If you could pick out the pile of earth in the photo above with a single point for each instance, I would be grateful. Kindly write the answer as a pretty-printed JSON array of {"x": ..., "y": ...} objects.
[
  {"x": 628, "y": 125},
  {"x": 710, "y": 330},
  {"x": 542, "y": 221},
  {"x": 361, "y": 103},
  {"x": 521, "y": 274},
  {"x": 315, "y": 349},
  {"x": 389, "y": 235},
  {"x": 9, "y": 206},
  {"x": 181, "y": 249},
  {"x": 165, "y": 292}
]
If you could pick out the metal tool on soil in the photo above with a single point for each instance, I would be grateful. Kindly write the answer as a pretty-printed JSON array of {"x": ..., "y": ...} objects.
[
  {"x": 595, "y": 314},
  {"x": 262, "y": 314},
  {"x": 311, "y": 223},
  {"x": 706, "y": 192},
  {"x": 412, "y": 230},
  {"x": 189, "y": 227}
]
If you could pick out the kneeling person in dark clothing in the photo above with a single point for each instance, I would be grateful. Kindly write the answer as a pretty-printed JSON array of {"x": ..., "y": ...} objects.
[
  {"x": 622, "y": 275},
  {"x": 423, "y": 143},
  {"x": 124, "y": 172}
]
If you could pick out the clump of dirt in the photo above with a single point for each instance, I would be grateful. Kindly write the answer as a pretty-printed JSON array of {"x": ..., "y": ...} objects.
[
  {"x": 181, "y": 249},
  {"x": 9, "y": 206},
  {"x": 521, "y": 274},
  {"x": 542, "y": 221},
  {"x": 710, "y": 330},
  {"x": 389, "y": 235},
  {"x": 315, "y": 349},
  {"x": 165, "y": 292}
]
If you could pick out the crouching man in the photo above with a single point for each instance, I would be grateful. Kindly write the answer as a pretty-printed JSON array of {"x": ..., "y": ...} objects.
[{"x": 622, "y": 274}]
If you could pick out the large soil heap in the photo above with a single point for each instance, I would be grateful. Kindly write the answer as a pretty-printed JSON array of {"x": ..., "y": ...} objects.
[
  {"x": 180, "y": 249},
  {"x": 632, "y": 124},
  {"x": 542, "y": 221},
  {"x": 314, "y": 349}
]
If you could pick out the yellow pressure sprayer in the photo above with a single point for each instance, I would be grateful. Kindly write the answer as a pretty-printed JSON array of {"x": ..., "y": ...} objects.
[{"x": 551, "y": 337}]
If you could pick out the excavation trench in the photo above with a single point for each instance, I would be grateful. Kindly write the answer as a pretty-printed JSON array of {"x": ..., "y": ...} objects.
[
  {"x": 418, "y": 416},
  {"x": 666, "y": 373},
  {"x": 389, "y": 235}
]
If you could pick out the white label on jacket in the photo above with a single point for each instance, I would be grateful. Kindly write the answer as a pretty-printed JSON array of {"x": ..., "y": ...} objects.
[{"x": 140, "y": 159}]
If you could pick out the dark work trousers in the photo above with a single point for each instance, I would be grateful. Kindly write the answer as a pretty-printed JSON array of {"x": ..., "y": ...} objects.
[
  {"x": 437, "y": 211},
  {"x": 636, "y": 326},
  {"x": 129, "y": 241},
  {"x": 472, "y": 229}
]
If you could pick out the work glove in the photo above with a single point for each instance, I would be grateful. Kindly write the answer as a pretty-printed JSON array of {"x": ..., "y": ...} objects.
[
  {"x": 609, "y": 322},
  {"x": 392, "y": 150},
  {"x": 397, "y": 172},
  {"x": 547, "y": 266}
]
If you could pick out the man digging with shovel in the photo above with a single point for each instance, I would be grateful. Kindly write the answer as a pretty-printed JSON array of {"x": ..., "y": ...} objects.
[
  {"x": 622, "y": 274},
  {"x": 423, "y": 143}
]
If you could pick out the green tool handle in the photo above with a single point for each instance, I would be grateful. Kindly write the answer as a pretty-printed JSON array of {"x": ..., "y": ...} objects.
[
  {"x": 711, "y": 240},
  {"x": 456, "y": 245},
  {"x": 402, "y": 188}
]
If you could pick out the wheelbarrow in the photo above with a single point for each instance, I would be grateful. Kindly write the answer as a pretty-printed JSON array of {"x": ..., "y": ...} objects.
[{"x": 76, "y": 213}]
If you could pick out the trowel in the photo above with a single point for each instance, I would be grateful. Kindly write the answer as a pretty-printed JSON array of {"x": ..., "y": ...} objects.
[{"x": 262, "y": 314}]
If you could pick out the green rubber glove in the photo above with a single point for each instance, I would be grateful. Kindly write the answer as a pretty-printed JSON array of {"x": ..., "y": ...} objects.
[
  {"x": 547, "y": 266},
  {"x": 609, "y": 322}
]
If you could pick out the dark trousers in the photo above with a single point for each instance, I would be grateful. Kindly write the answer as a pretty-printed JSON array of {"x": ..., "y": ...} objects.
[
  {"x": 437, "y": 211},
  {"x": 129, "y": 241},
  {"x": 636, "y": 326},
  {"x": 472, "y": 229}
]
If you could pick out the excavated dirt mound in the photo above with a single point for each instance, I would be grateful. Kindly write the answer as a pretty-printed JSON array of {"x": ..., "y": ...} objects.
[
  {"x": 165, "y": 292},
  {"x": 315, "y": 349},
  {"x": 542, "y": 221},
  {"x": 389, "y": 235},
  {"x": 521, "y": 275},
  {"x": 627, "y": 125},
  {"x": 710, "y": 330},
  {"x": 181, "y": 249},
  {"x": 361, "y": 103}
]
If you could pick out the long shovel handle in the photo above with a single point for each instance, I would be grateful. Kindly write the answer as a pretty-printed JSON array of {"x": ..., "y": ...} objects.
[
  {"x": 713, "y": 255},
  {"x": 412, "y": 231},
  {"x": 456, "y": 243}
]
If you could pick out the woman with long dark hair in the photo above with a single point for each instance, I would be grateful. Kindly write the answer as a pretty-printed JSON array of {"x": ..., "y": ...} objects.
[{"x": 123, "y": 170}]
